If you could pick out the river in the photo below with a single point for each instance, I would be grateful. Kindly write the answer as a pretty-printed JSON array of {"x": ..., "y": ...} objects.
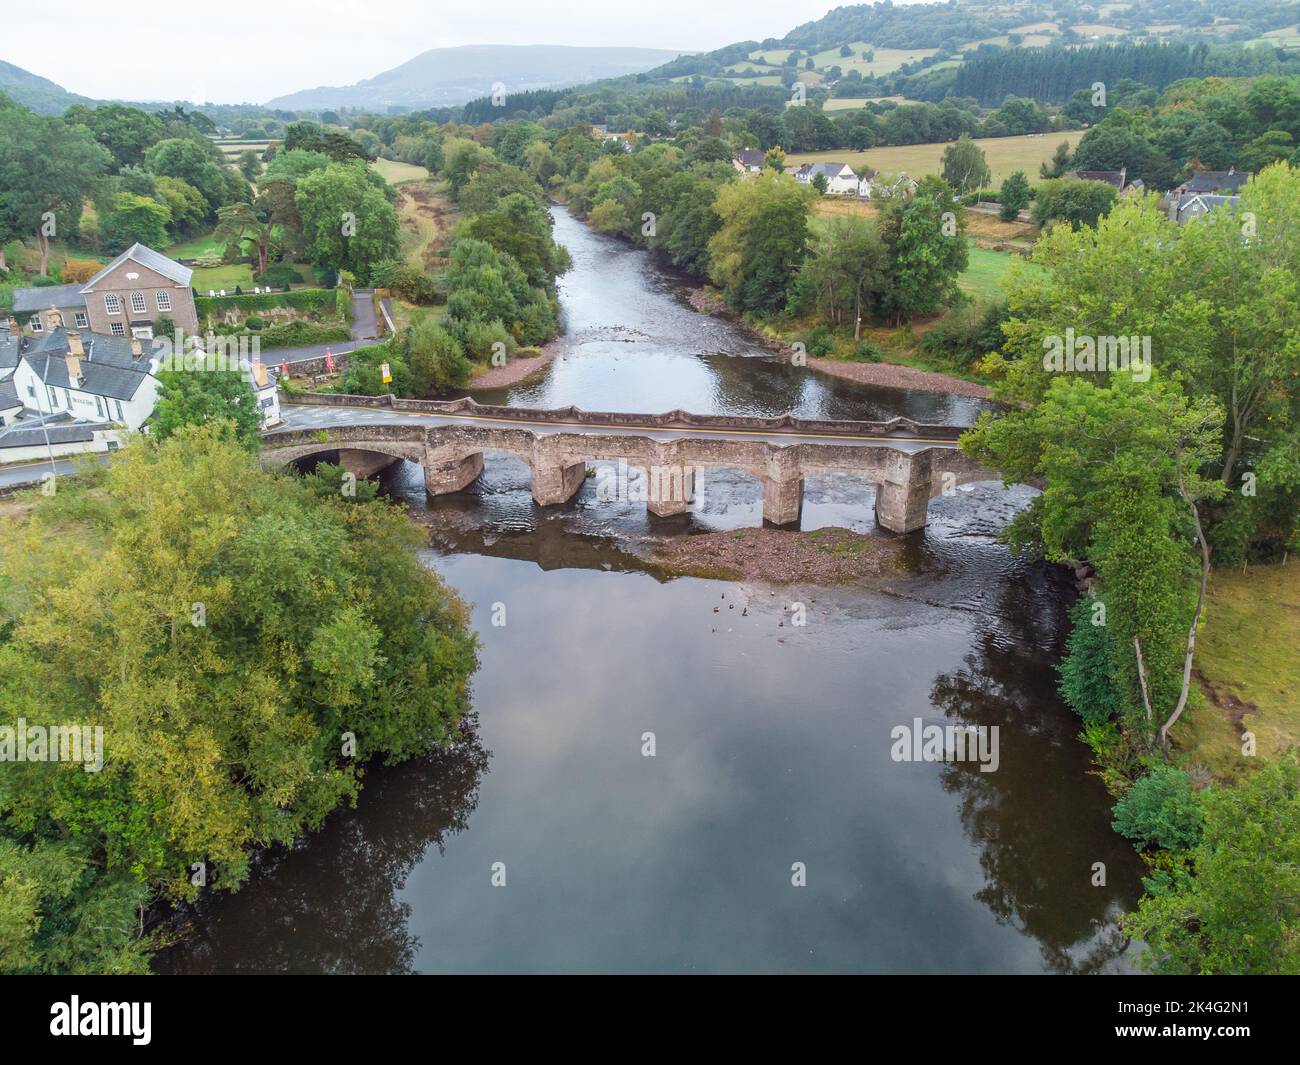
[{"x": 771, "y": 758}]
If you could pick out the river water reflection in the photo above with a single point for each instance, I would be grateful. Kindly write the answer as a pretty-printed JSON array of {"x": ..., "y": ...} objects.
[{"x": 772, "y": 742}]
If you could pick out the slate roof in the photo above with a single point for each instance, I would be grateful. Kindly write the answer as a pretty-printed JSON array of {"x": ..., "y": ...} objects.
[
  {"x": 1216, "y": 181},
  {"x": 108, "y": 368},
  {"x": 1186, "y": 205},
  {"x": 750, "y": 157},
  {"x": 9, "y": 395},
  {"x": 76, "y": 433},
  {"x": 9, "y": 351},
  {"x": 1110, "y": 177},
  {"x": 831, "y": 170},
  {"x": 147, "y": 257},
  {"x": 39, "y": 299}
]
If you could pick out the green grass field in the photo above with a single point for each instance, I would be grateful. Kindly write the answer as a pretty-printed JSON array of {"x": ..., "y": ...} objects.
[
  {"x": 196, "y": 246},
  {"x": 1005, "y": 155},
  {"x": 218, "y": 277},
  {"x": 396, "y": 173},
  {"x": 982, "y": 279},
  {"x": 1249, "y": 667}
]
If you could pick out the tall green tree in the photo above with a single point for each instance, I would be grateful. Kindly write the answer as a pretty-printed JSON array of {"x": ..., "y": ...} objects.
[
  {"x": 964, "y": 166},
  {"x": 47, "y": 168},
  {"x": 348, "y": 223},
  {"x": 206, "y": 393}
]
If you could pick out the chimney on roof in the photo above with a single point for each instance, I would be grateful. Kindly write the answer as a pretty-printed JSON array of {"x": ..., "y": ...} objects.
[
  {"x": 135, "y": 347},
  {"x": 74, "y": 371},
  {"x": 14, "y": 328},
  {"x": 55, "y": 318},
  {"x": 74, "y": 343}
]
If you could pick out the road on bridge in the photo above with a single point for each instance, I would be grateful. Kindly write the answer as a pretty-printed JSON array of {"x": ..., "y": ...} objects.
[{"x": 306, "y": 416}]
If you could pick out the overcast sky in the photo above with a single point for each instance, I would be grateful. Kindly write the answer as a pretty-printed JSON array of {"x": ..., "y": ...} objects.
[{"x": 230, "y": 53}]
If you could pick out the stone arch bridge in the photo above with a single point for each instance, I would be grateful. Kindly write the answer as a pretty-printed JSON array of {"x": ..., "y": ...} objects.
[{"x": 910, "y": 463}]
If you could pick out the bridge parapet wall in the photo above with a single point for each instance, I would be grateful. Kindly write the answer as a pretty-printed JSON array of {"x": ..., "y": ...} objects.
[{"x": 676, "y": 419}]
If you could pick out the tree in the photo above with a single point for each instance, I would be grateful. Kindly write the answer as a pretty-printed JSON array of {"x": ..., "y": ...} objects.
[
  {"x": 1059, "y": 164},
  {"x": 47, "y": 168},
  {"x": 195, "y": 162},
  {"x": 243, "y": 223},
  {"x": 1119, "y": 463},
  {"x": 436, "y": 361},
  {"x": 206, "y": 393},
  {"x": 848, "y": 269},
  {"x": 135, "y": 219},
  {"x": 964, "y": 166},
  {"x": 234, "y": 631},
  {"x": 126, "y": 132},
  {"x": 1239, "y": 913},
  {"x": 925, "y": 242},
  {"x": 1014, "y": 196},
  {"x": 348, "y": 223},
  {"x": 1073, "y": 201},
  {"x": 184, "y": 203},
  {"x": 762, "y": 240},
  {"x": 250, "y": 164}
]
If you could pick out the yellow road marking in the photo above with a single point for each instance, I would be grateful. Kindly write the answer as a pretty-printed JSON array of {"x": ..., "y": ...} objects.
[{"x": 642, "y": 428}]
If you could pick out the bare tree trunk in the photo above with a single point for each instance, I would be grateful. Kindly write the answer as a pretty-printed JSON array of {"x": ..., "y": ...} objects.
[
  {"x": 1142, "y": 677},
  {"x": 1196, "y": 618},
  {"x": 43, "y": 242},
  {"x": 3, "y": 265}
]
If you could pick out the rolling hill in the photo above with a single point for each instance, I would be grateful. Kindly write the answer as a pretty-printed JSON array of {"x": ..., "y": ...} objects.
[
  {"x": 33, "y": 91},
  {"x": 447, "y": 76}
]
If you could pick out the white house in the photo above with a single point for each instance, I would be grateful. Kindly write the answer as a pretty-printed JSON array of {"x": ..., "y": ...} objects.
[
  {"x": 91, "y": 385},
  {"x": 840, "y": 178},
  {"x": 90, "y": 377}
]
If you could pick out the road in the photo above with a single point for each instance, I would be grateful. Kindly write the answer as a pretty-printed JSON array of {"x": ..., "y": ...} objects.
[
  {"x": 303, "y": 416},
  {"x": 365, "y": 331}
]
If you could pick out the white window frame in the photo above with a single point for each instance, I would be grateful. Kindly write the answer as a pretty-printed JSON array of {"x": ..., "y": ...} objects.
[
  {"x": 99, "y": 406},
  {"x": 80, "y": 318},
  {"x": 36, "y": 324},
  {"x": 138, "y": 305},
  {"x": 119, "y": 330},
  {"x": 112, "y": 305},
  {"x": 163, "y": 300},
  {"x": 120, "y": 416},
  {"x": 54, "y": 398}
]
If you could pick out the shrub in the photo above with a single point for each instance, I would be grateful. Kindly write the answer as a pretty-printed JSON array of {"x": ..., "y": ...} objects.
[
  {"x": 296, "y": 334},
  {"x": 253, "y": 322},
  {"x": 316, "y": 300},
  {"x": 819, "y": 341},
  {"x": 865, "y": 351},
  {"x": 480, "y": 337},
  {"x": 279, "y": 276},
  {"x": 966, "y": 334},
  {"x": 1161, "y": 809},
  {"x": 75, "y": 270},
  {"x": 408, "y": 282}
]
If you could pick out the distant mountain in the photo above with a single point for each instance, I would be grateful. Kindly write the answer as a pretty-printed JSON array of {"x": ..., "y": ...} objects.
[
  {"x": 39, "y": 94},
  {"x": 442, "y": 77}
]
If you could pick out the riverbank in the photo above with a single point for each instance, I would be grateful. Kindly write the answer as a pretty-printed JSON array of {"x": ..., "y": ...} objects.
[
  {"x": 819, "y": 556},
  {"x": 879, "y": 374},
  {"x": 517, "y": 370}
]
